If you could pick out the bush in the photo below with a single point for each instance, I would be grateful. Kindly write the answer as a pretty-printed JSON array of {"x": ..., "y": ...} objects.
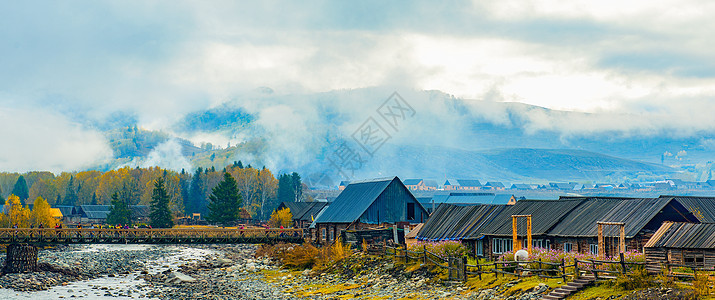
[
  {"x": 305, "y": 256},
  {"x": 639, "y": 279},
  {"x": 443, "y": 249}
]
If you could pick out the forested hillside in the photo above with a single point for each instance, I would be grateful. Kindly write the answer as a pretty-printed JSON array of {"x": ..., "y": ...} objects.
[{"x": 188, "y": 192}]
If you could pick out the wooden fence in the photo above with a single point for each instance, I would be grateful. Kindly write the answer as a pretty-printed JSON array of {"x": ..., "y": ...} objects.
[{"x": 459, "y": 269}]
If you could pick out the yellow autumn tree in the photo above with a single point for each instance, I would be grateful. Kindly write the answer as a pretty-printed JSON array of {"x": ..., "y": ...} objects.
[
  {"x": 281, "y": 217},
  {"x": 42, "y": 214},
  {"x": 17, "y": 214}
]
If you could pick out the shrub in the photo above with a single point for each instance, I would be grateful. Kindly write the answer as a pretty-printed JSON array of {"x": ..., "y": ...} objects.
[
  {"x": 701, "y": 284},
  {"x": 443, "y": 249},
  {"x": 639, "y": 279}
]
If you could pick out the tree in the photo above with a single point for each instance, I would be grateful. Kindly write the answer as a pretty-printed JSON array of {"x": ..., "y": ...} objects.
[
  {"x": 2, "y": 199},
  {"x": 225, "y": 201},
  {"x": 281, "y": 217},
  {"x": 267, "y": 188},
  {"x": 119, "y": 212},
  {"x": 94, "y": 199},
  {"x": 20, "y": 189},
  {"x": 42, "y": 214},
  {"x": 196, "y": 192},
  {"x": 160, "y": 214},
  {"x": 70, "y": 193},
  {"x": 286, "y": 193},
  {"x": 297, "y": 187},
  {"x": 17, "y": 213}
]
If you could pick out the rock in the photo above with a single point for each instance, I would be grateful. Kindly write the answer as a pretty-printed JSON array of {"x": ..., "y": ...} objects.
[{"x": 178, "y": 277}]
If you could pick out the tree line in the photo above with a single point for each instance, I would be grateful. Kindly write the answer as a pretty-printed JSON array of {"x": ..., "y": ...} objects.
[{"x": 186, "y": 192}]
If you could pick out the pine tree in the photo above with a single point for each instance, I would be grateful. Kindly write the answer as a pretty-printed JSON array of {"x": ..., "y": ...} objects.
[
  {"x": 196, "y": 192},
  {"x": 20, "y": 189},
  {"x": 286, "y": 193},
  {"x": 119, "y": 212},
  {"x": 94, "y": 198},
  {"x": 160, "y": 214},
  {"x": 2, "y": 198},
  {"x": 224, "y": 201},
  {"x": 70, "y": 193},
  {"x": 297, "y": 187}
]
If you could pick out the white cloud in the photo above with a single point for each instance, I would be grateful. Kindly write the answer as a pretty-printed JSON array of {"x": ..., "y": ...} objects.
[{"x": 38, "y": 140}]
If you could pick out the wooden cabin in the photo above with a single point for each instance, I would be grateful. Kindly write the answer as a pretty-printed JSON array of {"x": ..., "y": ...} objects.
[{"x": 682, "y": 244}]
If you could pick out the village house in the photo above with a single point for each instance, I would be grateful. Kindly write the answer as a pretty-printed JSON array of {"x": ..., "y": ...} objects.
[
  {"x": 303, "y": 213},
  {"x": 462, "y": 185},
  {"x": 494, "y": 185},
  {"x": 683, "y": 244},
  {"x": 568, "y": 224},
  {"x": 419, "y": 185},
  {"x": 368, "y": 204}
]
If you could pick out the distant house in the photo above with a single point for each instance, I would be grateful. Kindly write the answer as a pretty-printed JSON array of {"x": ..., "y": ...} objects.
[
  {"x": 98, "y": 213},
  {"x": 494, "y": 185},
  {"x": 343, "y": 184},
  {"x": 304, "y": 213},
  {"x": 462, "y": 185},
  {"x": 683, "y": 244},
  {"x": 469, "y": 198},
  {"x": 368, "y": 204},
  {"x": 417, "y": 185},
  {"x": 663, "y": 185},
  {"x": 524, "y": 186},
  {"x": 562, "y": 186},
  {"x": 431, "y": 185}
]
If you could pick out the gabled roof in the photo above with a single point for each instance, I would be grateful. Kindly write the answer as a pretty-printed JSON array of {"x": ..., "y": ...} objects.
[
  {"x": 140, "y": 211},
  {"x": 344, "y": 183},
  {"x": 702, "y": 207},
  {"x": 67, "y": 210},
  {"x": 545, "y": 215},
  {"x": 354, "y": 200},
  {"x": 295, "y": 207},
  {"x": 463, "y": 182},
  {"x": 524, "y": 186},
  {"x": 683, "y": 235},
  {"x": 450, "y": 222},
  {"x": 412, "y": 181},
  {"x": 495, "y": 184},
  {"x": 304, "y": 211},
  {"x": 100, "y": 214},
  {"x": 635, "y": 213},
  {"x": 431, "y": 183}
]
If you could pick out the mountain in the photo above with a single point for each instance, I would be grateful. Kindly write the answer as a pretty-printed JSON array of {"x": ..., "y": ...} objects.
[
  {"x": 515, "y": 164},
  {"x": 427, "y": 134}
]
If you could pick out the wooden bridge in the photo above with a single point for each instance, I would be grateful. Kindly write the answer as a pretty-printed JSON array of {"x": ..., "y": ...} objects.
[
  {"x": 50, "y": 236},
  {"x": 23, "y": 242}
]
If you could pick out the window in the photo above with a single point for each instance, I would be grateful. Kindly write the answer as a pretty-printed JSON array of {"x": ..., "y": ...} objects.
[
  {"x": 501, "y": 245},
  {"x": 410, "y": 211},
  {"x": 332, "y": 234},
  {"x": 537, "y": 243},
  {"x": 568, "y": 247},
  {"x": 593, "y": 248},
  {"x": 479, "y": 248},
  {"x": 324, "y": 235}
]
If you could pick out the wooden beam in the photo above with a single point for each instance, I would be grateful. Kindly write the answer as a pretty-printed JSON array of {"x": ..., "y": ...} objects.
[
  {"x": 515, "y": 240},
  {"x": 528, "y": 232},
  {"x": 601, "y": 244}
]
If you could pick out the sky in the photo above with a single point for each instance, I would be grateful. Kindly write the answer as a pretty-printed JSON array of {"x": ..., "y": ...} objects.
[{"x": 162, "y": 59}]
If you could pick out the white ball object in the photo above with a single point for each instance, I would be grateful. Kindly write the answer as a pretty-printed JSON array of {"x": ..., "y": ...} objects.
[{"x": 521, "y": 255}]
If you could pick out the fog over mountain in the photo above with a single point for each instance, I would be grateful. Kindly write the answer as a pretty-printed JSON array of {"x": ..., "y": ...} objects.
[{"x": 110, "y": 84}]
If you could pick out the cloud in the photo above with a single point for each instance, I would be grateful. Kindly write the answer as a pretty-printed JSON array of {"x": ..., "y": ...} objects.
[
  {"x": 167, "y": 155},
  {"x": 38, "y": 140}
]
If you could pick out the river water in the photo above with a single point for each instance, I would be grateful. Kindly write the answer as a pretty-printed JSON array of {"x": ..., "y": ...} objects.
[{"x": 120, "y": 286}]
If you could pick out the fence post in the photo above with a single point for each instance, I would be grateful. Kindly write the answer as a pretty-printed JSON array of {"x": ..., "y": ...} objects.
[
  {"x": 405, "y": 251},
  {"x": 540, "y": 267},
  {"x": 464, "y": 267},
  {"x": 496, "y": 270},
  {"x": 576, "y": 271},
  {"x": 479, "y": 269},
  {"x": 623, "y": 263},
  {"x": 563, "y": 269},
  {"x": 593, "y": 269},
  {"x": 424, "y": 254}
]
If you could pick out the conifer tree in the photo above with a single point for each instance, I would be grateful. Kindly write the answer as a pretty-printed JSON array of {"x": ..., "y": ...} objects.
[
  {"x": 224, "y": 201},
  {"x": 160, "y": 213},
  {"x": 119, "y": 212},
  {"x": 20, "y": 189},
  {"x": 70, "y": 193},
  {"x": 196, "y": 192}
]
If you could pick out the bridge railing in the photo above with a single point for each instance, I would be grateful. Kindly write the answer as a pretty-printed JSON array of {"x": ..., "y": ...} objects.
[{"x": 147, "y": 236}]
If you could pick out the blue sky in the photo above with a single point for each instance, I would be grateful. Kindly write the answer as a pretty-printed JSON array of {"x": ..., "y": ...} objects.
[{"x": 162, "y": 59}]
